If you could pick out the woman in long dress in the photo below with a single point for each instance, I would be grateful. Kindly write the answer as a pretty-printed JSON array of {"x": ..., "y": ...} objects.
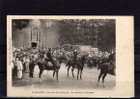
[
  {"x": 27, "y": 61},
  {"x": 19, "y": 68}
]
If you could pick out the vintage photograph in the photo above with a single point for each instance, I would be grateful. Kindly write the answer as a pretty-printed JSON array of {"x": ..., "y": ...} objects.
[{"x": 64, "y": 53}]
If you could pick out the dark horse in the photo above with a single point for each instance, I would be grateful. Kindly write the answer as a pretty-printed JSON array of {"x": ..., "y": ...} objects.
[
  {"x": 106, "y": 66},
  {"x": 78, "y": 63},
  {"x": 44, "y": 64}
]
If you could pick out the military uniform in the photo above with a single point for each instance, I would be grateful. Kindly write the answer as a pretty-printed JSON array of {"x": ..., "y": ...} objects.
[{"x": 49, "y": 55}]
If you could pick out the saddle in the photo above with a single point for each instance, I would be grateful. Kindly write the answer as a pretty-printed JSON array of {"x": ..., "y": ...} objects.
[{"x": 49, "y": 63}]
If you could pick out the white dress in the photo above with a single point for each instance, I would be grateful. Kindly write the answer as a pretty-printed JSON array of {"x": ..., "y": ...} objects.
[
  {"x": 27, "y": 64},
  {"x": 19, "y": 69}
]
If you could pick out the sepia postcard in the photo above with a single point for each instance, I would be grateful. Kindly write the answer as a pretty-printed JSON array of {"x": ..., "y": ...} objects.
[{"x": 70, "y": 56}]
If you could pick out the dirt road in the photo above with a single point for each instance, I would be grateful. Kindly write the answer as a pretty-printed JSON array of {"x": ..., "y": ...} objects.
[{"x": 89, "y": 80}]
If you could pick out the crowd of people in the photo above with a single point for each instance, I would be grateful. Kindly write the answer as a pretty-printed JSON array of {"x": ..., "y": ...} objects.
[{"x": 23, "y": 57}]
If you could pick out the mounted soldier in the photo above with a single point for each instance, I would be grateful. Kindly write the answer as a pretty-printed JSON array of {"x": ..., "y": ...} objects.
[
  {"x": 49, "y": 56},
  {"x": 75, "y": 54}
]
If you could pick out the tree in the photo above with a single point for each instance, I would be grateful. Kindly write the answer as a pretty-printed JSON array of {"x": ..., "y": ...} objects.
[{"x": 106, "y": 36}]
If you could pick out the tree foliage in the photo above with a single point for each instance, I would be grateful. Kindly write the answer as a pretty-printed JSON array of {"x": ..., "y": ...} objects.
[
  {"x": 97, "y": 33},
  {"x": 20, "y": 23}
]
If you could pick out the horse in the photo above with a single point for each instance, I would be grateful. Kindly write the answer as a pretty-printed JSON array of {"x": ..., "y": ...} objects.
[
  {"x": 76, "y": 64},
  {"x": 92, "y": 61},
  {"x": 44, "y": 64},
  {"x": 106, "y": 66}
]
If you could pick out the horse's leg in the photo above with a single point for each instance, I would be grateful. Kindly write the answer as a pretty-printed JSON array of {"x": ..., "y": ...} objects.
[
  {"x": 68, "y": 70},
  {"x": 103, "y": 78},
  {"x": 99, "y": 77},
  {"x": 81, "y": 73},
  {"x": 72, "y": 70},
  {"x": 78, "y": 73},
  {"x": 57, "y": 74},
  {"x": 30, "y": 73},
  {"x": 31, "y": 70},
  {"x": 40, "y": 73},
  {"x": 53, "y": 73}
]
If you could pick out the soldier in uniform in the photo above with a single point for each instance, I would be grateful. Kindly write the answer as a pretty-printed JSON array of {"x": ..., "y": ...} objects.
[
  {"x": 49, "y": 56},
  {"x": 75, "y": 54}
]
